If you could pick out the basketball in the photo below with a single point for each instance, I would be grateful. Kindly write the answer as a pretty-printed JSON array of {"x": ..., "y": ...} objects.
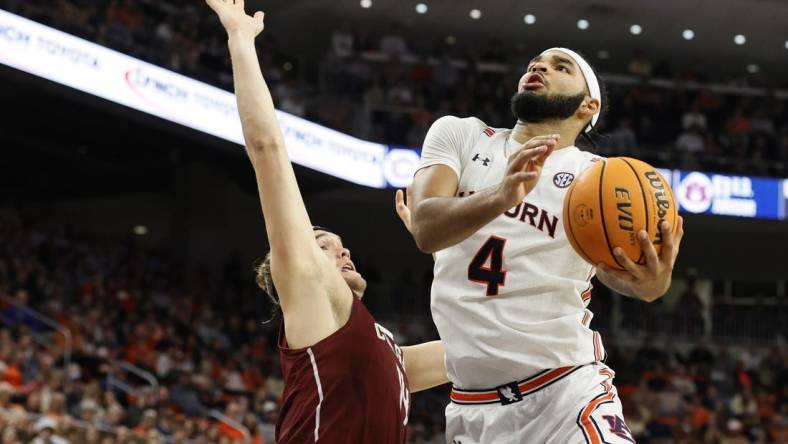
[{"x": 610, "y": 202}]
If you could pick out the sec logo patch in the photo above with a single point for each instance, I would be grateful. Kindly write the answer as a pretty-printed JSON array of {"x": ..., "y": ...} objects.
[{"x": 563, "y": 180}]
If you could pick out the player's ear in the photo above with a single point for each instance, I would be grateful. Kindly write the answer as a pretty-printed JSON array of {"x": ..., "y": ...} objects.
[
  {"x": 588, "y": 107},
  {"x": 591, "y": 105}
]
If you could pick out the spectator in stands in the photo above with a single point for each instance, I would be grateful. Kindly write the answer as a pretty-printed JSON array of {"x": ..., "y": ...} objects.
[
  {"x": 640, "y": 65},
  {"x": 45, "y": 432},
  {"x": 290, "y": 94},
  {"x": 622, "y": 139},
  {"x": 694, "y": 118},
  {"x": 400, "y": 93},
  {"x": 689, "y": 144},
  {"x": 446, "y": 77},
  {"x": 421, "y": 119},
  {"x": 738, "y": 128},
  {"x": 762, "y": 124},
  {"x": 294, "y": 103},
  {"x": 393, "y": 43},
  {"x": 343, "y": 42},
  {"x": 115, "y": 31}
]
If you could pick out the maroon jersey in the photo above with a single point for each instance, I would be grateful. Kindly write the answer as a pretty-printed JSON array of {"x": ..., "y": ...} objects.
[{"x": 348, "y": 388}]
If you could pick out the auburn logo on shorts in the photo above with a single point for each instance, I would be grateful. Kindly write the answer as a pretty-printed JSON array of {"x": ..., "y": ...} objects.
[
  {"x": 619, "y": 427},
  {"x": 563, "y": 180}
]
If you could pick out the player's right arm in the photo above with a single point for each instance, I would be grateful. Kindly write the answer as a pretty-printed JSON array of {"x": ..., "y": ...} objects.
[
  {"x": 303, "y": 275},
  {"x": 425, "y": 365},
  {"x": 440, "y": 218}
]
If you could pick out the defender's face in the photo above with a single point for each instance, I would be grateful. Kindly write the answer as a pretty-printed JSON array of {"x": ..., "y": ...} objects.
[
  {"x": 331, "y": 244},
  {"x": 553, "y": 73}
]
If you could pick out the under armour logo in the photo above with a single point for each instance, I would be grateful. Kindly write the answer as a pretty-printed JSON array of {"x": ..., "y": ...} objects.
[
  {"x": 485, "y": 161},
  {"x": 509, "y": 394}
]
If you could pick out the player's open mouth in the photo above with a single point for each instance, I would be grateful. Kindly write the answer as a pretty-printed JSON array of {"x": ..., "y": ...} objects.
[
  {"x": 534, "y": 81},
  {"x": 348, "y": 267}
]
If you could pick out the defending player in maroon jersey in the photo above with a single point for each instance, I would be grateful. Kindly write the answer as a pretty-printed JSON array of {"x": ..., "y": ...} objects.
[
  {"x": 346, "y": 381},
  {"x": 355, "y": 378}
]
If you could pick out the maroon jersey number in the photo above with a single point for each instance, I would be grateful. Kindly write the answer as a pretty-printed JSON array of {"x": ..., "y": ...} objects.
[
  {"x": 493, "y": 275},
  {"x": 404, "y": 393}
]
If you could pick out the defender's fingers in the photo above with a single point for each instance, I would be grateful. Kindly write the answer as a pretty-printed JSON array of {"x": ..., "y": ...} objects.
[{"x": 399, "y": 198}]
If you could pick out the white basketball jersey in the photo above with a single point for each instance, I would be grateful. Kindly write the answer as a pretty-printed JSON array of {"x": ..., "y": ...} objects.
[{"x": 510, "y": 300}]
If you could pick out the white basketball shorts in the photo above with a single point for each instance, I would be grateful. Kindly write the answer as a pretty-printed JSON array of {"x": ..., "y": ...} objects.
[{"x": 569, "y": 405}]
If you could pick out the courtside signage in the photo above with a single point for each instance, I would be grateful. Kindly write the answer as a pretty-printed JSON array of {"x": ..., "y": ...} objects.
[
  {"x": 727, "y": 195},
  {"x": 94, "y": 69}
]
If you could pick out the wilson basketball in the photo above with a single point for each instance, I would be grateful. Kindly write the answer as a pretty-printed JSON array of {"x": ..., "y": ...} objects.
[{"x": 610, "y": 203}]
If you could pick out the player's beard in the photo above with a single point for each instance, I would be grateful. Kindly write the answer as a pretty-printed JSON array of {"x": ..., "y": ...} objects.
[{"x": 530, "y": 107}]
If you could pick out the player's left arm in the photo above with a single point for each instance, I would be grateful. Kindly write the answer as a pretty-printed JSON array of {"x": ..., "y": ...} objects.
[
  {"x": 314, "y": 298},
  {"x": 650, "y": 281},
  {"x": 425, "y": 365}
]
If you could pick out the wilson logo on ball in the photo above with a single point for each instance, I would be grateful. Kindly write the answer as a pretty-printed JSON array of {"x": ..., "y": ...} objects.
[
  {"x": 661, "y": 197},
  {"x": 563, "y": 180}
]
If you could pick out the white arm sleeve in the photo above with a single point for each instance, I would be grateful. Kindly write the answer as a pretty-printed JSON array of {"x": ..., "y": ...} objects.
[{"x": 444, "y": 144}]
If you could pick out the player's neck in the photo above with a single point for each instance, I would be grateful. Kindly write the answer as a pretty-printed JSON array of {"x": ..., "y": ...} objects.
[{"x": 523, "y": 132}]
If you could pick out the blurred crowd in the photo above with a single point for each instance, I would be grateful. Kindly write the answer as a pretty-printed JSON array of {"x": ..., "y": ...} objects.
[
  {"x": 716, "y": 395},
  {"x": 124, "y": 306},
  {"x": 381, "y": 87}
]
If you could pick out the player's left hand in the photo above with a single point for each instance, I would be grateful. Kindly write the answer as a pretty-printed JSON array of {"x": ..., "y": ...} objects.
[
  {"x": 235, "y": 20},
  {"x": 402, "y": 203},
  {"x": 650, "y": 281}
]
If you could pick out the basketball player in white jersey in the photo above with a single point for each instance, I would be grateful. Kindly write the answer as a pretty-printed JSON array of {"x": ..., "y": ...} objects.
[{"x": 510, "y": 294}]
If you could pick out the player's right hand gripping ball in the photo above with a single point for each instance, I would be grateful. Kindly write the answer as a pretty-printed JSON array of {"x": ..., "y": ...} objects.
[{"x": 610, "y": 203}]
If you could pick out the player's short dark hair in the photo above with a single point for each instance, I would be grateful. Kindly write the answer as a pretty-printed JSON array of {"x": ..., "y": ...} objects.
[{"x": 266, "y": 283}]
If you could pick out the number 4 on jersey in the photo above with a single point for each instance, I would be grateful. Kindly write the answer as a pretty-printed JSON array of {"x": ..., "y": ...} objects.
[{"x": 493, "y": 275}]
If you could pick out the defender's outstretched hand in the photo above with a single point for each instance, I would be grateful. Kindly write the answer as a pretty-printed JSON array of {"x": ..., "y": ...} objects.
[
  {"x": 235, "y": 20},
  {"x": 402, "y": 201}
]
